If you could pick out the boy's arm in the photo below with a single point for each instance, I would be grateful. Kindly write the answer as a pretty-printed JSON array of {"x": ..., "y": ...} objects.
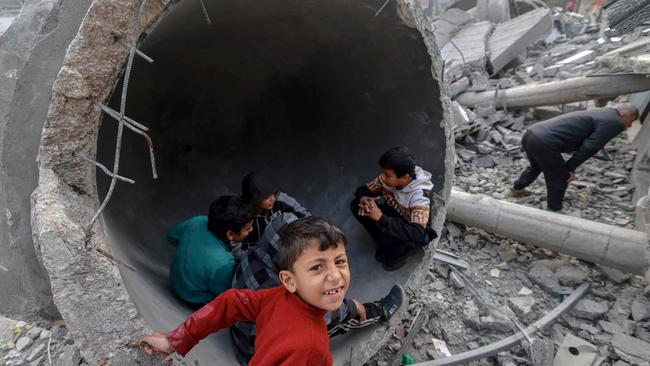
[
  {"x": 293, "y": 203},
  {"x": 222, "y": 312},
  {"x": 371, "y": 189},
  {"x": 174, "y": 235},
  {"x": 237, "y": 249}
]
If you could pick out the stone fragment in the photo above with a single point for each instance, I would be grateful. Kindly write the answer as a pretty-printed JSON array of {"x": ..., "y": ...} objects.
[
  {"x": 495, "y": 273},
  {"x": 70, "y": 356},
  {"x": 471, "y": 40},
  {"x": 511, "y": 38},
  {"x": 646, "y": 292},
  {"x": 483, "y": 162},
  {"x": 570, "y": 275},
  {"x": 524, "y": 291},
  {"x": 589, "y": 309},
  {"x": 471, "y": 316},
  {"x": 21, "y": 324},
  {"x": 36, "y": 352},
  {"x": 45, "y": 334},
  {"x": 507, "y": 253},
  {"x": 543, "y": 351},
  {"x": 640, "y": 310},
  {"x": 545, "y": 278},
  {"x": 455, "y": 281},
  {"x": 23, "y": 343},
  {"x": 631, "y": 349},
  {"x": 34, "y": 332},
  {"x": 471, "y": 240},
  {"x": 498, "y": 324},
  {"x": 447, "y": 24},
  {"x": 614, "y": 274},
  {"x": 522, "y": 306}
]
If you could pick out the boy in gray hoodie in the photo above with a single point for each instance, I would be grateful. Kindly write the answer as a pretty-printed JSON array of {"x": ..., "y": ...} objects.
[{"x": 395, "y": 207}]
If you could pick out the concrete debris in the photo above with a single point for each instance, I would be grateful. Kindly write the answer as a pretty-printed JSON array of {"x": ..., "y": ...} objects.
[
  {"x": 630, "y": 349},
  {"x": 590, "y": 309},
  {"x": 467, "y": 50},
  {"x": 640, "y": 310},
  {"x": 28, "y": 344},
  {"x": 521, "y": 306},
  {"x": 575, "y": 351},
  {"x": 495, "y": 11},
  {"x": 447, "y": 24},
  {"x": 570, "y": 275},
  {"x": 542, "y": 351},
  {"x": 545, "y": 279},
  {"x": 511, "y": 38}
]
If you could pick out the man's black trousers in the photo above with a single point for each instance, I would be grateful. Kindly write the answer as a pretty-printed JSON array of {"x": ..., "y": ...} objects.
[{"x": 551, "y": 163}]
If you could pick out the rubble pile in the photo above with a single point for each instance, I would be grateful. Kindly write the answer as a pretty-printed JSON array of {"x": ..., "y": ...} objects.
[
  {"x": 36, "y": 344},
  {"x": 524, "y": 283},
  {"x": 465, "y": 309}
]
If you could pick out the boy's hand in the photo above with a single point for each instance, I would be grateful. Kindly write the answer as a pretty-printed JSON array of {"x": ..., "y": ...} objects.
[
  {"x": 157, "y": 343},
  {"x": 371, "y": 210}
]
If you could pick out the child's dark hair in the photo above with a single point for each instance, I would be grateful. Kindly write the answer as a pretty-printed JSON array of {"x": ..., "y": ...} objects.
[
  {"x": 400, "y": 160},
  {"x": 228, "y": 213},
  {"x": 256, "y": 187},
  {"x": 300, "y": 234}
]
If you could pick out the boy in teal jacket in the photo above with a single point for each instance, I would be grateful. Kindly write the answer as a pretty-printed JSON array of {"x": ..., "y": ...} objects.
[{"x": 202, "y": 267}]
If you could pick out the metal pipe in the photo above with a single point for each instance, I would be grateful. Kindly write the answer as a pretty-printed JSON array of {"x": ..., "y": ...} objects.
[
  {"x": 608, "y": 245},
  {"x": 559, "y": 92},
  {"x": 513, "y": 340}
]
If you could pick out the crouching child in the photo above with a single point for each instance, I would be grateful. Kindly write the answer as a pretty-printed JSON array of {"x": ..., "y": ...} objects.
[
  {"x": 395, "y": 207},
  {"x": 315, "y": 278}
]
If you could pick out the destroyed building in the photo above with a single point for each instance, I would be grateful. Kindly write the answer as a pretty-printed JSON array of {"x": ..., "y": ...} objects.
[{"x": 161, "y": 87}]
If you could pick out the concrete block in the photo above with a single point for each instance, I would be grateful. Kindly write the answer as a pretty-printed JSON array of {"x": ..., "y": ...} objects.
[
  {"x": 511, "y": 38},
  {"x": 495, "y": 11},
  {"x": 467, "y": 50},
  {"x": 447, "y": 25}
]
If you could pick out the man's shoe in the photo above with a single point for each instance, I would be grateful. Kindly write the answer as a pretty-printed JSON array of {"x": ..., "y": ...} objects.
[
  {"x": 518, "y": 193},
  {"x": 391, "y": 263},
  {"x": 379, "y": 255},
  {"x": 390, "y": 303}
]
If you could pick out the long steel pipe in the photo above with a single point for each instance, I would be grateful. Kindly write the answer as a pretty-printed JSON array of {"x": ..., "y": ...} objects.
[
  {"x": 595, "y": 242},
  {"x": 558, "y": 92}
]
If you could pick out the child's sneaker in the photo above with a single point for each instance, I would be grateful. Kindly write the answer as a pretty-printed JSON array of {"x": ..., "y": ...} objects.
[
  {"x": 392, "y": 263},
  {"x": 390, "y": 303}
]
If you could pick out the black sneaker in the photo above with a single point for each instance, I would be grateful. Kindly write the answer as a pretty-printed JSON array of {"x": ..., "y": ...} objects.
[
  {"x": 390, "y": 303},
  {"x": 392, "y": 263}
]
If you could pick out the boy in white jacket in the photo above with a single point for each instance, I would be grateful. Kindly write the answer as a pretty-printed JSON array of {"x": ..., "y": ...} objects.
[{"x": 395, "y": 207}]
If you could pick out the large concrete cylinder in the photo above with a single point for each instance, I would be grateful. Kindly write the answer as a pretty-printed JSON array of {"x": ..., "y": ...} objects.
[{"x": 312, "y": 92}]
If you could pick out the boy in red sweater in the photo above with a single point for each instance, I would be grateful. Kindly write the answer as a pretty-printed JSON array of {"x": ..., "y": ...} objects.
[{"x": 291, "y": 329}]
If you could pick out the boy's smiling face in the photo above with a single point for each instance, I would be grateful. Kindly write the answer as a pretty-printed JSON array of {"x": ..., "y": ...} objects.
[{"x": 320, "y": 278}]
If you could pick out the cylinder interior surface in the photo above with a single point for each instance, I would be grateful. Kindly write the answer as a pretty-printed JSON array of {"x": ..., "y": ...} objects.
[{"x": 312, "y": 92}]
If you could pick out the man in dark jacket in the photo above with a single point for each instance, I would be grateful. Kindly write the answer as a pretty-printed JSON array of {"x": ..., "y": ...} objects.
[{"x": 582, "y": 133}]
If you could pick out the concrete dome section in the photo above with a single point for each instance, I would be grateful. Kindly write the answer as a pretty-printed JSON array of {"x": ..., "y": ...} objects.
[{"x": 311, "y": 92}]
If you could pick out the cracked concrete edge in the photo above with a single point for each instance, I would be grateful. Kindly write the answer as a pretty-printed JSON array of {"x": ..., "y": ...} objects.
[
  {"x": 31, "y": 53},
  {"x": 87, "y": 288}
]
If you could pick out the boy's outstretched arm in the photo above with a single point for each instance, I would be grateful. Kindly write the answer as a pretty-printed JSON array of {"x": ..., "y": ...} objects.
[{"x": 222, "y": 312}]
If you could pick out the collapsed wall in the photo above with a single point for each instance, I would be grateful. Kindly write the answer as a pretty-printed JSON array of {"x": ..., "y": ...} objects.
[
  {"x": 310, "y": 91},
  {"x": 31, "y": 54}
]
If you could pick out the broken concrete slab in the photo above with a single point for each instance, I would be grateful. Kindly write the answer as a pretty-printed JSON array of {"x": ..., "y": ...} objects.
[
  {"x": 570, "y": 275},
  {"x": 590, "y": 309},
  {"x": 575, "y": 351},
  {"x": 631, "y": 349},
  {"x": 570, "y": 62},
  {"x": 447, "y": 24},
  {"x": 495, "y": 11},
  {"x": 511, "y": 38},
  {"x": 466, "y": 51}
]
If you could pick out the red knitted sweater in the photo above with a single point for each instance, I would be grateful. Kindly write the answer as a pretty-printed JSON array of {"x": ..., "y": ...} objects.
[{"x": 289, "y": 331}]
